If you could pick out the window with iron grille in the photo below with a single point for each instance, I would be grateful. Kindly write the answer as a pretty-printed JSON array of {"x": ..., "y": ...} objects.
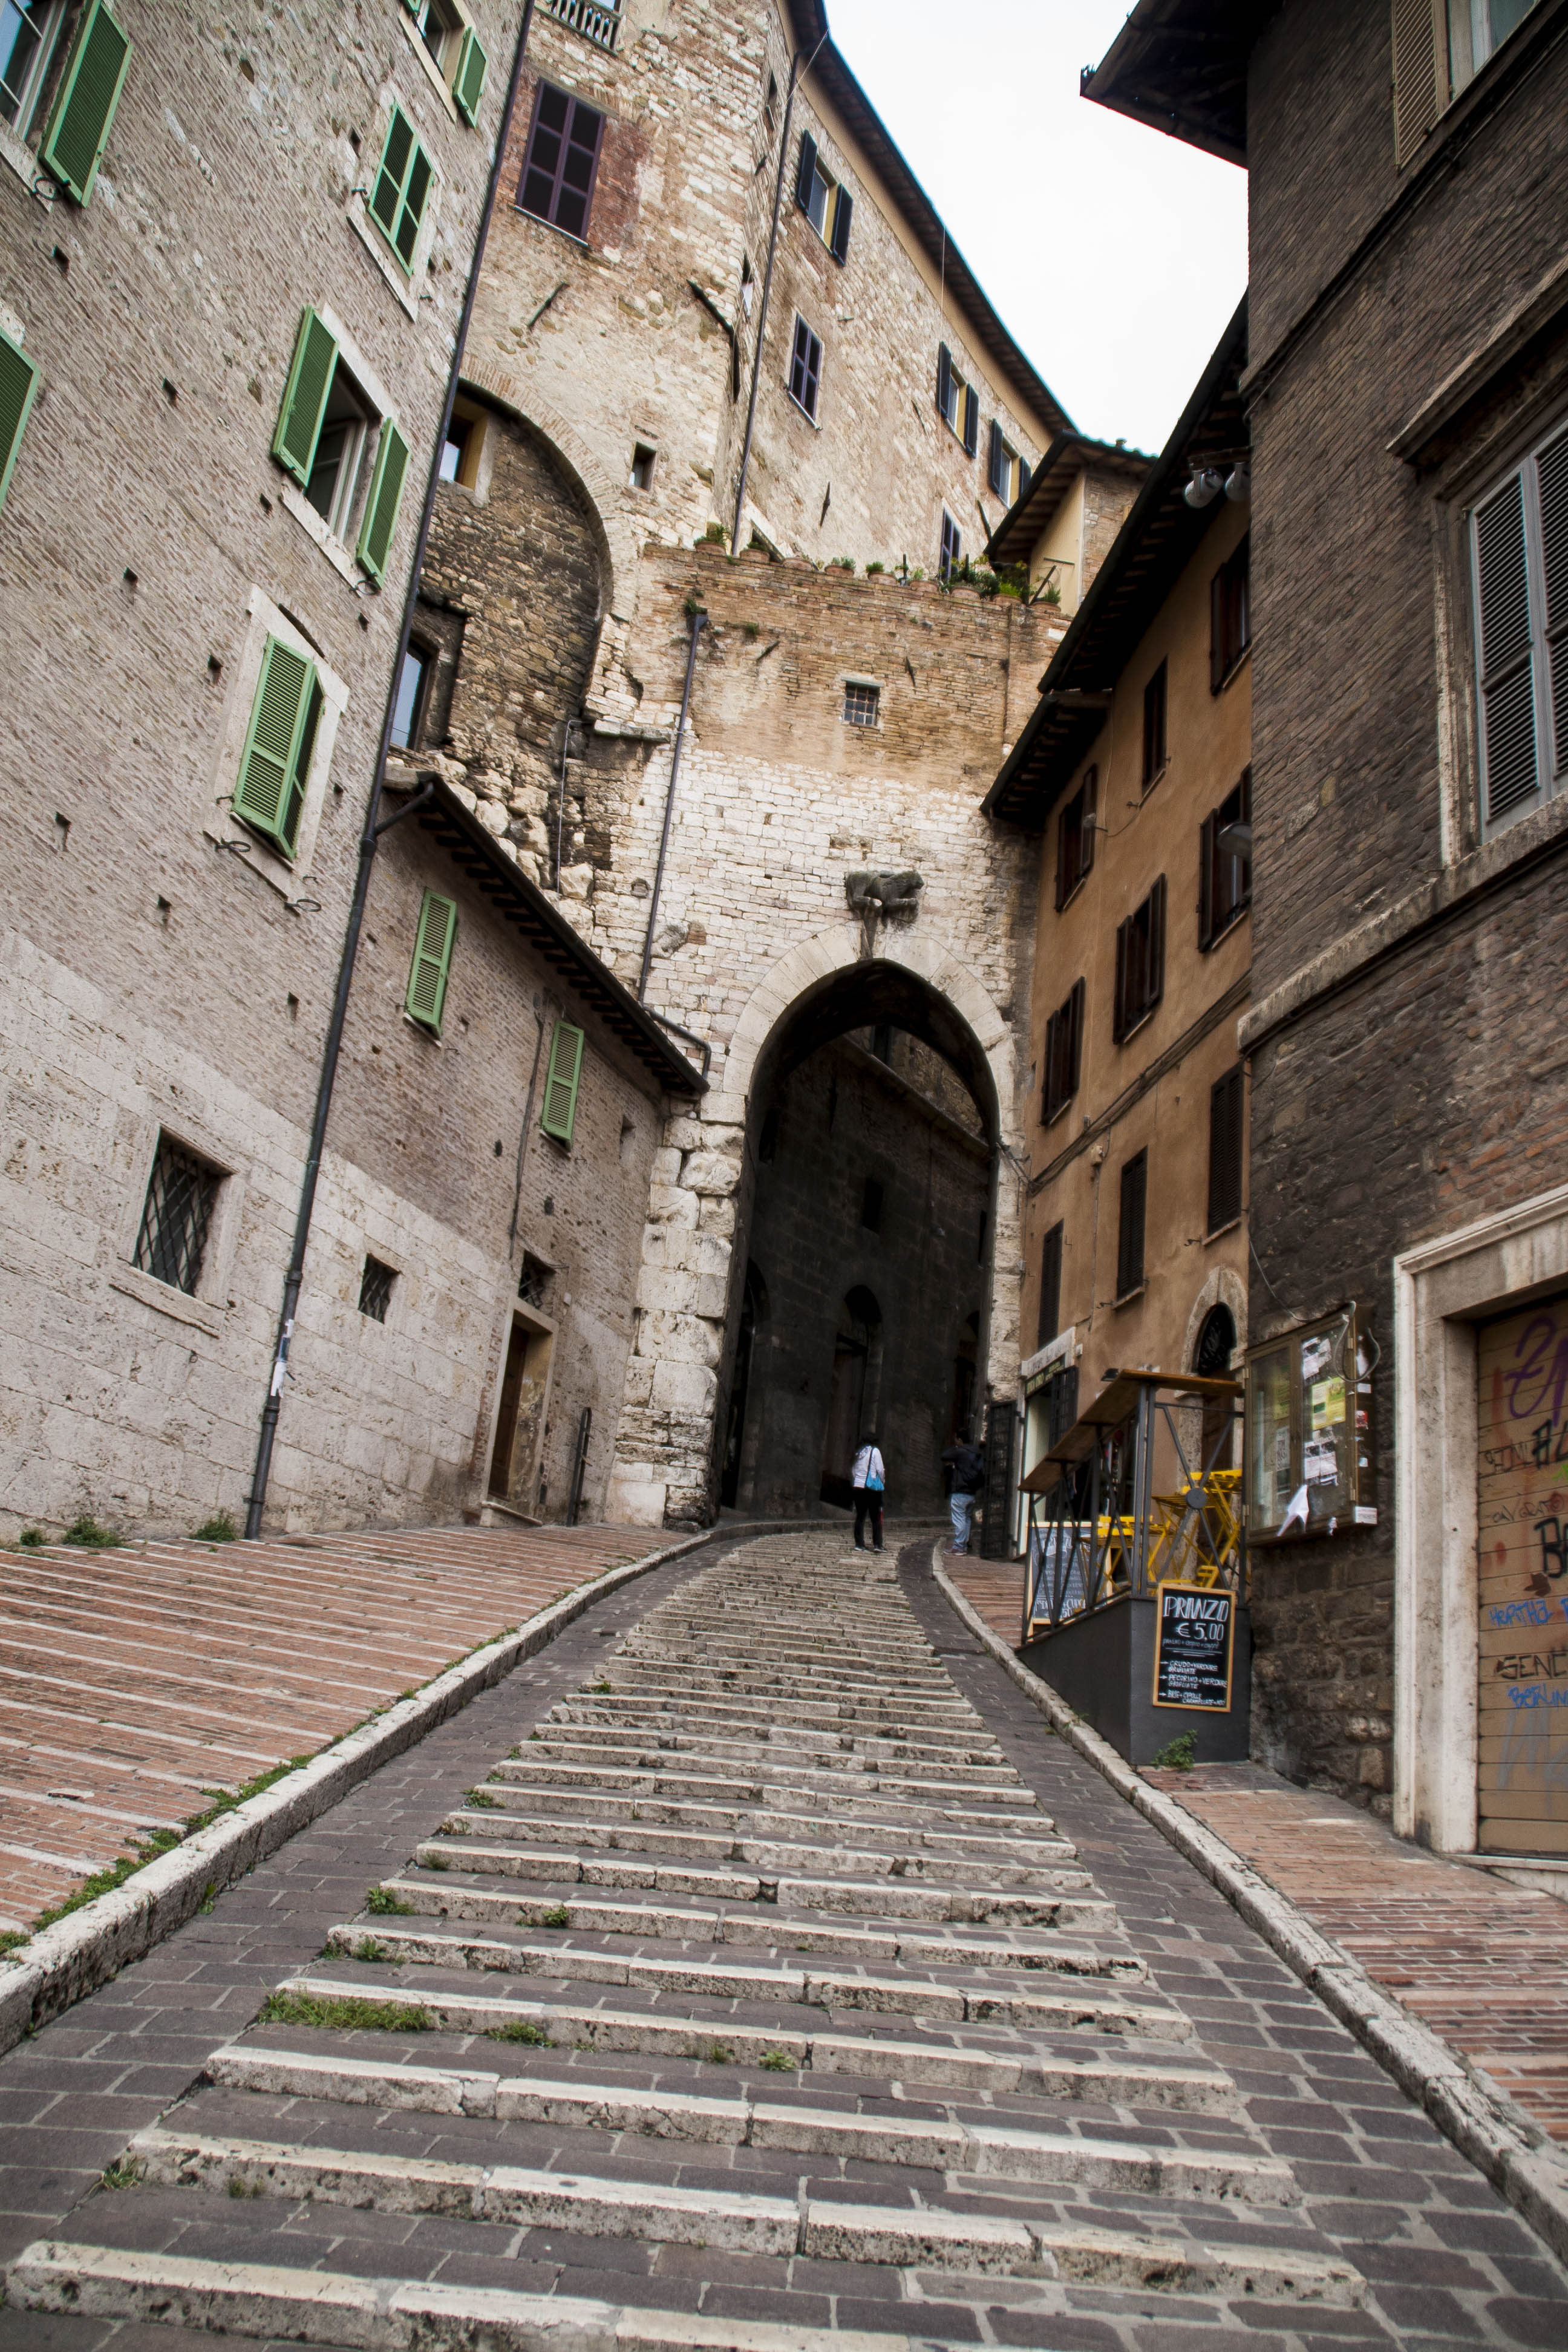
[
  {"x": 1075, "y": 836},
  {"x": 1129, "y": 1229},
  {"x": 1225, "y": 1139},
  {"x": 806, "y": 369},
  {"x": 1230, "y": 617},
  {"x": 533, "y": 1283},
  {"x": 376, "y": 1289},
  {"x": 1064, "y": 1052},
  {"x": 951, "y": 550},
  {"x": 563, "y": 161},
  {"x": 1225, "y": 867},
  {"x": 1050, "y": 1287},
  {"x": 1155, "y": 725},
  {"x": 1519, "y": 553},
  {"x": 177, "y": 1218},
  {"x": 862, "y": 704},
  {"x": 1140, "y": 963}
]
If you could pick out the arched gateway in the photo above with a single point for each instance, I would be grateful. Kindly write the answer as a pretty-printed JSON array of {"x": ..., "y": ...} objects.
[{"x": 852, "y": 1148}]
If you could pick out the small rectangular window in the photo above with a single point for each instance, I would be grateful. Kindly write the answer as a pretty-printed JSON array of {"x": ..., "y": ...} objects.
[
  {"x": 1050, "y": 1287},
  {"x": 407, "y": 711},
  {"x": 563, "y": 161},
  {"x": 18, "y": 382},
  {"x": 642, "y": 467},
  {"x": 177, "y": 1217},
  {"x": 1226, "y": 1155},
  {"x": 533, "y": 1281},
  {"x": 565, "y": 1073},
  {"x": 455, "y": 448},
  {"x": 1075, "y": 836},
  {"x": 1130, "y": 1228},
  {"x": 862, "y": 704},
  {"x": 1225, "y": 863},
  {"x": 376, "y": 1289},
  {"x": 28, "y": 32},
  {"x": 1519, "y": 556},
  {"x": 882, "y": 1041},
  {"x": 73, "y": 145},
  {"x": 1230, "y": 617},
  {"x": 402, "y": 189},
  {"x": 951, "y": 553},
  {"x": 275, "y": 765},
  {"x": 872, "y": 1206},
  {"x": 1155, "y": 725},
  {"x": 806, "y": 369},
  {"x": 1064, "y": 1053},
  {"x": 1140, "y": 963},
  {"x": 426, "y": 999}
]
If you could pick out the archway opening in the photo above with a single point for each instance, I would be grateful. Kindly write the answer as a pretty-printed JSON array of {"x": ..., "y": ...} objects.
[
  {"x": 866, "y": 1212},
  {"x": 1212, "y": 1361}
]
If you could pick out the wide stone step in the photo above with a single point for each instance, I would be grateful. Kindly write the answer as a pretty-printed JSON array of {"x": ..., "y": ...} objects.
[
  {"x": 770, "y": 1927},
  {"x": 570, "y": 1765},
  {"x": 948, "y": 2144},
  {"x": 903, "y": 1898},
  {"x": 819, "y": 1765},
  {"x": 941, "y": 1829},
  {"x": 929, "y": 1739},
  {"x": 1055, "y": 2013},
  {"x": 935, "y": 1857},
  {"x": 608, "y": 1794},
  {"x": 1116, "y": 2082},
  {"x": 824, "y": 1750},
  {"x": 717, "y": 1980}
]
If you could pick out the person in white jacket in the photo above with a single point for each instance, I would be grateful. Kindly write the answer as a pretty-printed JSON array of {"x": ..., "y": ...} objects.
[{"x": 868, "y": 1479}]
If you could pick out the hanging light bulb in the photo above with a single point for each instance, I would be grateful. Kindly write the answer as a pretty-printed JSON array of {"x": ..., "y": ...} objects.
[{"x": 1204, "y": 487}]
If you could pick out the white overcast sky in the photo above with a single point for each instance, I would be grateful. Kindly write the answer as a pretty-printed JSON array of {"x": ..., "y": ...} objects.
[{"x": 1113, "y": 255}]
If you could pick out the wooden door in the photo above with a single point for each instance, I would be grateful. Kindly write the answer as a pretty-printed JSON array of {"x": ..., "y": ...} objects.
[{"x": 1522, "y": 1542}]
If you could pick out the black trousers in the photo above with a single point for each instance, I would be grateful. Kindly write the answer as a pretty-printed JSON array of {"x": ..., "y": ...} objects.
[{"x": 867, "y": 1499}]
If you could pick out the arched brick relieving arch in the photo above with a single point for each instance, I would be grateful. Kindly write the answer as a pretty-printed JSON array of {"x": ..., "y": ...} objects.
[{"x": 617, "y": 540}]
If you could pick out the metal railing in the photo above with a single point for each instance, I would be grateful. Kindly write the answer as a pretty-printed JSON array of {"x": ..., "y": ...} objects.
[
  {"x": 1099, "y": 1533},
  {"x": 600, "y": 26}
]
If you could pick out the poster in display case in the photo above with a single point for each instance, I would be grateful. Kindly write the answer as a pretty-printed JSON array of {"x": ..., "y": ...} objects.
[{"x": 1309, "y": 1430}]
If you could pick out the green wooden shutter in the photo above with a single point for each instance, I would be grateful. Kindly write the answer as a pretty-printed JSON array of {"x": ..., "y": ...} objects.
[
  {"x": 402, "y": 188},
  {"x": 427, "y": 974},
  {"x": 381, "y": 507},
  {"x": 305, "y": 400},
  {"x": 470, "y": 76},
  {"x": 561, "y": 1086},
  {"x": 18, "y": 382},
  {"x": 73, "y": 145},
  {"x": 270, "y": 793}
]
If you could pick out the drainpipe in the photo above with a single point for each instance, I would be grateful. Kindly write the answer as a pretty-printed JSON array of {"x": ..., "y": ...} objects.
[
  {"x": 375, "y": 826},
  {"x": 697, "y": 620},
  {"x": 797, "y": 74}
]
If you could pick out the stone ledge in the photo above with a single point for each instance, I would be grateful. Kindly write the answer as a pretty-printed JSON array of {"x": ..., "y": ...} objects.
[
  {"x": 1482, "y": 2122},
  {"x": 66, "y": 1962}
]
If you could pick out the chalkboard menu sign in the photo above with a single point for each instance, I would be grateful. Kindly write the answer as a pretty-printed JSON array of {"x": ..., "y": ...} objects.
[{"x": 1193, "y": 1636}]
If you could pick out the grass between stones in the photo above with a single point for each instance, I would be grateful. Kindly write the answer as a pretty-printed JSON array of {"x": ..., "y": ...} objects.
[
  {"x": 343, "y": 2012},
  {"x": 523, "y": 2030},
  {"x": 384, "y": 1903}
]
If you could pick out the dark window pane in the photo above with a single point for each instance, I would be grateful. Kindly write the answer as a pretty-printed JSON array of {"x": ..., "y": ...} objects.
[
  {"x": 178, "y": 1213},
  {"x": 376, "y": 1289}
]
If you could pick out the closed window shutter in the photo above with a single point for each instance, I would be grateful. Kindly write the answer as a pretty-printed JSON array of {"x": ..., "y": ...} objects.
[
  {"x": 18, "y": 382},
  {"x": 805, "y": 173},
  {"x": 971, "y": 420},
  {"x": 1061, "y": 859},
  {"x": 1050, "y": 1096},
  {"x": 993, "y": 460},
  {"x": 305, "y": 400},
  {"x": 381, "y": 507},
  {"x": 1025, "y": 477},
  {"x": 402, "y": 188},
  {"x": 561, "y": 1086},
  {"x": 1119, "y": 1016},
  {"x": 1130, "y": 1234},
  {"x": 1420, "y": 62},
  {"x": 73, "y": 145},
  {"x": 273, "y": 768},
  {"x": 843, "y": 215},
  {"x": 1218, "y": 663},
  {"x": 1050, "y": 1287},
  {"x": 1225, "y": 1100},
  {"x": 1087, "y": 824},
  {"x": 428, "y": 975},
  {"x": 1207, "y": 831},
  {"x": 1553, "y": 467},
  {"x": 1155, "y": 984},
  {"x": 468, "y": 84},
  {"x": 943, "y": 379},
  {"x": 1075, "y": 1036},
  {"x": 1508, "y": 671}
]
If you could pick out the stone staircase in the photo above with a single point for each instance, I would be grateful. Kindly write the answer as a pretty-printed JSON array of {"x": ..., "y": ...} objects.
[{"x": 758, "y": 1965}]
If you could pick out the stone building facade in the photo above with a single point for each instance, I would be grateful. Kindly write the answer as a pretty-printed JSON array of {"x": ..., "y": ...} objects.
[
  {"x": 204, "y": 558},
  {"x": 1409, "y": 403}
]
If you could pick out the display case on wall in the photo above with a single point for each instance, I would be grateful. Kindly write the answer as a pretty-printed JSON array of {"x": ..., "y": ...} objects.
[{"x": 1309, "y": 1430}]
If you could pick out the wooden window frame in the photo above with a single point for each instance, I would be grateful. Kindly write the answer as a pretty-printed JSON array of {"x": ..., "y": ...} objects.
[
  {"x": 1140, "y": 963},
  {"x": 563, "y": 1083},
  {"x": 1227, "y": 1151},
  {"x": 1521, "y": 677},
  {"x": 1051, "y": 1250},
  {"x": 19, "y": 379},
  {"x": 1131, "y": 1227},
  {"x": 1230, "y": 615},
  {"x": 805, "y": 369},
  {"x": 74, "y": 175},
  {"x": 1076, "y": 828},
  {"x": 950, "y": 556},
  {"x": 430, "y": 966},
  {"x": 557, "y": 174},
  {"x": 1224, "y": 880},
  {"x": 395, "y": 187},
  {"x": 1156, "y": 695},
  {"x": 1063, "y": 1057}
]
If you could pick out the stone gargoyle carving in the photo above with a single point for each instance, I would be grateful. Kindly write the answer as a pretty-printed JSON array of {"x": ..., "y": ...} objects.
[{"x": 873, "y": 895}]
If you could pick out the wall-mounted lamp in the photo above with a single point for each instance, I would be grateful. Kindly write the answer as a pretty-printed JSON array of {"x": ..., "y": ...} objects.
[
  {"x": 1204, "y": 487},
  {"x": 1234, "y": 840},
  {"x": 1239, "y": 486}
]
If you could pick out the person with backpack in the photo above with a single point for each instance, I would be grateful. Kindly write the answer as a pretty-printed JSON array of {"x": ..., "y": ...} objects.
[
  {"x": 869, "y": 1477},
  {"x": 967, "y": 1464}
]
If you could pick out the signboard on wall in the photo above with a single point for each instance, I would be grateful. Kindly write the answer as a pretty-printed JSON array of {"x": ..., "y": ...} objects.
[{"x": 1195, "y": 1633}]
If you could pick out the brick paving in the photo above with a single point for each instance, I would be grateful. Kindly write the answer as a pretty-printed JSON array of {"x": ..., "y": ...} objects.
[
  {"x": 1481, "y": 1962},
  {"x": 1445, "y": 2263},
  {"x": 135, "y": 1681}
]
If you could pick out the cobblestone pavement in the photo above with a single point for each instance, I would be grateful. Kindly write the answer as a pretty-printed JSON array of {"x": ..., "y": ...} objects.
[
  {"x": 782, "y": 1969},
  {"x": 1482, "y": 1963},
  {"x": 136, "y": 1681}
]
